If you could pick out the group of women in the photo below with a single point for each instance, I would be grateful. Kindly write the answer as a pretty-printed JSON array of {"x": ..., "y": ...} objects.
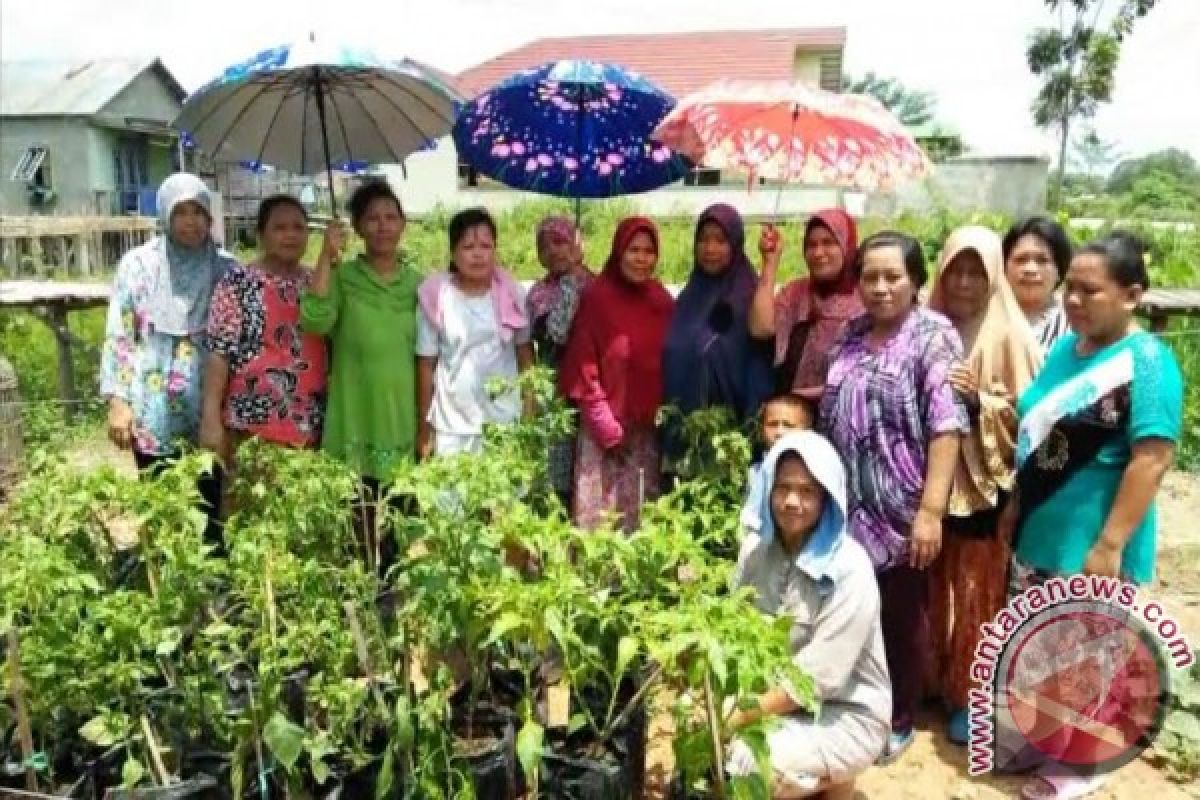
[{"x": 994, "y": 435}]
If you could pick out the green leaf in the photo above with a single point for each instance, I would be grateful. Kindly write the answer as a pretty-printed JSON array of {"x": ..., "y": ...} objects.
[
  {"x": 320, "y": 771},
  {"x": 529, "y": 746},
  {"x": 554, "y": 625},
  {"x": 132, "y": 773},
  {"x": 285, "y": 739},
  {"x": 627, "y": 649},
  {"x": 578, "y": 722},
  {"x": 387, "y": 775},
  {"x": 507, "y": 621},
  {"x": 403, "y": 724},
  {"x": 172, "y": 637},
  {"x": 97, "y": 731},
  {"x": 1184, "y": 725}
]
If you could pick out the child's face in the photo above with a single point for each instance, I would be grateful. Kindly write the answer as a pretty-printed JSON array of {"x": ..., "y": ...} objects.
[{"x": 779, "y": 418}]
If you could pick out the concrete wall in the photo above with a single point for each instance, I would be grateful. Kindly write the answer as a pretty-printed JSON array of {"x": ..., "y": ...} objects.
[
  {"x": 69, "y": 140},
  {"x": 807, "y": 68},
  {"x": 1015, "y": 185}
]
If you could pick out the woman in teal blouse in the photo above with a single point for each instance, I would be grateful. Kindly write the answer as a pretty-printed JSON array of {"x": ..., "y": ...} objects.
[{"x": 1098, "y": 431}]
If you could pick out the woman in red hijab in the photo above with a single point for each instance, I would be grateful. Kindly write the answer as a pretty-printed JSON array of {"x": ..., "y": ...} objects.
[
  {"x": 612, "y": 371},
  {"x": 810, "y": 313}
]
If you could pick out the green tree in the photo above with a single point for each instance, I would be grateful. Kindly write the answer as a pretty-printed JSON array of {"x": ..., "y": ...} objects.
[
  {"x": 1077, "y": 63},
  {"x": 912, "y": 107},
  {"x": 1172, "y": 161}
]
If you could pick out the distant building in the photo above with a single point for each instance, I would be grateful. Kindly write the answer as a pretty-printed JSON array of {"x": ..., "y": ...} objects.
[{"x": 87, "y": 137}]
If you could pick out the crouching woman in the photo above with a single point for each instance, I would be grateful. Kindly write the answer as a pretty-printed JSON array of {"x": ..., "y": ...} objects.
[{"x": 802, "y": 563}]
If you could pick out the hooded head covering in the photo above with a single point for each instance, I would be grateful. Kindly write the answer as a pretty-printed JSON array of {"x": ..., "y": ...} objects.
[
  {"x": 183, "y": 277},
  {"x": 709, "y": 357},
  {"x": 826, "y": 467},
  {"x": 1003, "y": 356},
  {"x": 618, "y": 333}
]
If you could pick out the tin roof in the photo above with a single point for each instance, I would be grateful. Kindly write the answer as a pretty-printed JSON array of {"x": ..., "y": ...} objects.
[{"x": 70, "y": 88}]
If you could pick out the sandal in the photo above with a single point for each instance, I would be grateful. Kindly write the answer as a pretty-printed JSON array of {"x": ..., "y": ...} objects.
[{"x": 1060, "y": 786}]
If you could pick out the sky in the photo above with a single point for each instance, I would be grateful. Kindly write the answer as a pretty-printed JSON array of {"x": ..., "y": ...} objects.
[{"x": 969, "y": 53}]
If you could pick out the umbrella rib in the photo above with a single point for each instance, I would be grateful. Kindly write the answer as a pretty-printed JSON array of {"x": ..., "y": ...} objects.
[
  {"x": 378, "y": 129},
  {"x": 268, "y": 81},
  {"x": 241, "y": 113},
  {"x": 403, "y": 113},
  {"x": 431, "y": 109},
  {"x": 337, "y": 112},
  {"x": 270, "y": 128},
  {"x": 304, "y": 135}
]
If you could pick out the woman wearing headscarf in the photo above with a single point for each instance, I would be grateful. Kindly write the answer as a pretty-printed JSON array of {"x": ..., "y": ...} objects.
[
  {"x": 154, "y": 339},
  {"x": 710, "y": 359},
  {"x": 968, "y": 580},
  {"x": 810, "y": 313},
  {"x": 553, "y": 300},
  {"x": 551, "y": 304},
  {"x": 612, "y": 370},
  {"x": 803, "y": 564}
]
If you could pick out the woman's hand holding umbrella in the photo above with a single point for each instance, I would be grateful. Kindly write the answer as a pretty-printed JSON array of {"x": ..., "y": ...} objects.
[{"x": 333, "y": 244}]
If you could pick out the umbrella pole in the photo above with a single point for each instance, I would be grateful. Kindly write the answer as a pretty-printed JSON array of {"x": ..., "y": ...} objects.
[
  {"x": 578, "y": 211},
  {"x": 319, "y": 89},
  {"x": 791, "y": 147}
]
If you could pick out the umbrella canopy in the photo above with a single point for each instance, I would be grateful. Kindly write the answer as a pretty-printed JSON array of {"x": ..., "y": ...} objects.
[
  {"x": 570, "y": 129},
  {"x": 308, "y": 106},
  {"x": 793, "y": 133}
]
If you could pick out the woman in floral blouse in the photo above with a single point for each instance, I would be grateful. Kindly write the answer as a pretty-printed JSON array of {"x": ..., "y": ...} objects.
[
  {"x": 264, "y": 378},
  {"x": 154, "y": 344},
  {"x": 551, "y": 304}
]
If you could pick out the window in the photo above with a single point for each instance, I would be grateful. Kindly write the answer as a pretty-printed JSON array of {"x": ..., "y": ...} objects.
[
  {"x": 831, "y": 72},
  {"x": 32, "y": 166},
  {"x": 703, "y": 177},
  {"x": 468, "y": 176}
]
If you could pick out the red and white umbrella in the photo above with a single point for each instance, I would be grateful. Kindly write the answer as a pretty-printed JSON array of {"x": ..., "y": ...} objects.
[{"x": 792, "y": 133}]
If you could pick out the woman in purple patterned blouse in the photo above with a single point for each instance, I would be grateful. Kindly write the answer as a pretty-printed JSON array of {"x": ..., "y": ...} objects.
[{"x": 892, "y": 414}]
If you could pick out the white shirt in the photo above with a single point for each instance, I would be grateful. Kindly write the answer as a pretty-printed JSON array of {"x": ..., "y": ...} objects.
[{"x": 470, "y": 354}]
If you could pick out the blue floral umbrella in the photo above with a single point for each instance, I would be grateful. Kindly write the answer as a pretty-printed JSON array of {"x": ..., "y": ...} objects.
[
  {"x": 570, "y": 129},
  {"x": 308, "y": 106}
]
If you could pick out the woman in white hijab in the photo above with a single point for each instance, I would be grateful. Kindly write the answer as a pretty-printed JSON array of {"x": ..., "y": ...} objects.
[
  {"x": 802, "y": 564},
  {"x": 153, "y": 343}
]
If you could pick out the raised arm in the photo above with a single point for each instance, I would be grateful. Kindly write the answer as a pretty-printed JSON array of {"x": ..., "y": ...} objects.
[{"x": 762, "y": 307}]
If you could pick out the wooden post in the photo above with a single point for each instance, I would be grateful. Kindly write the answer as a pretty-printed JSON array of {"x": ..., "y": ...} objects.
[
  {"x": 17, "y": 690},
  {"x": 82, "y": 256},
  {"x": 57, "y": 319}
]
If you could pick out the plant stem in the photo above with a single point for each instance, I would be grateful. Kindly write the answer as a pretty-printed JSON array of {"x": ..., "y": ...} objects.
[
  {"x": 161, "y": 773},
  {"x": 364, "y": 655},
  {"x": 633, "y": 703},
  {"x": 17, "y": 691},
  {"x": 714, "y": 726}
]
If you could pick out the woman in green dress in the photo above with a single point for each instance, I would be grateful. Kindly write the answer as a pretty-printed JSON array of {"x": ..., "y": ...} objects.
[{"x": 366, "y": 306}]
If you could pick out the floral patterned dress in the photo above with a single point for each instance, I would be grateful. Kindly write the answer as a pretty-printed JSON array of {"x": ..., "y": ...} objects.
[
  {"x": 277, "y": 374},
  {"x": 157, "y": 374}
]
